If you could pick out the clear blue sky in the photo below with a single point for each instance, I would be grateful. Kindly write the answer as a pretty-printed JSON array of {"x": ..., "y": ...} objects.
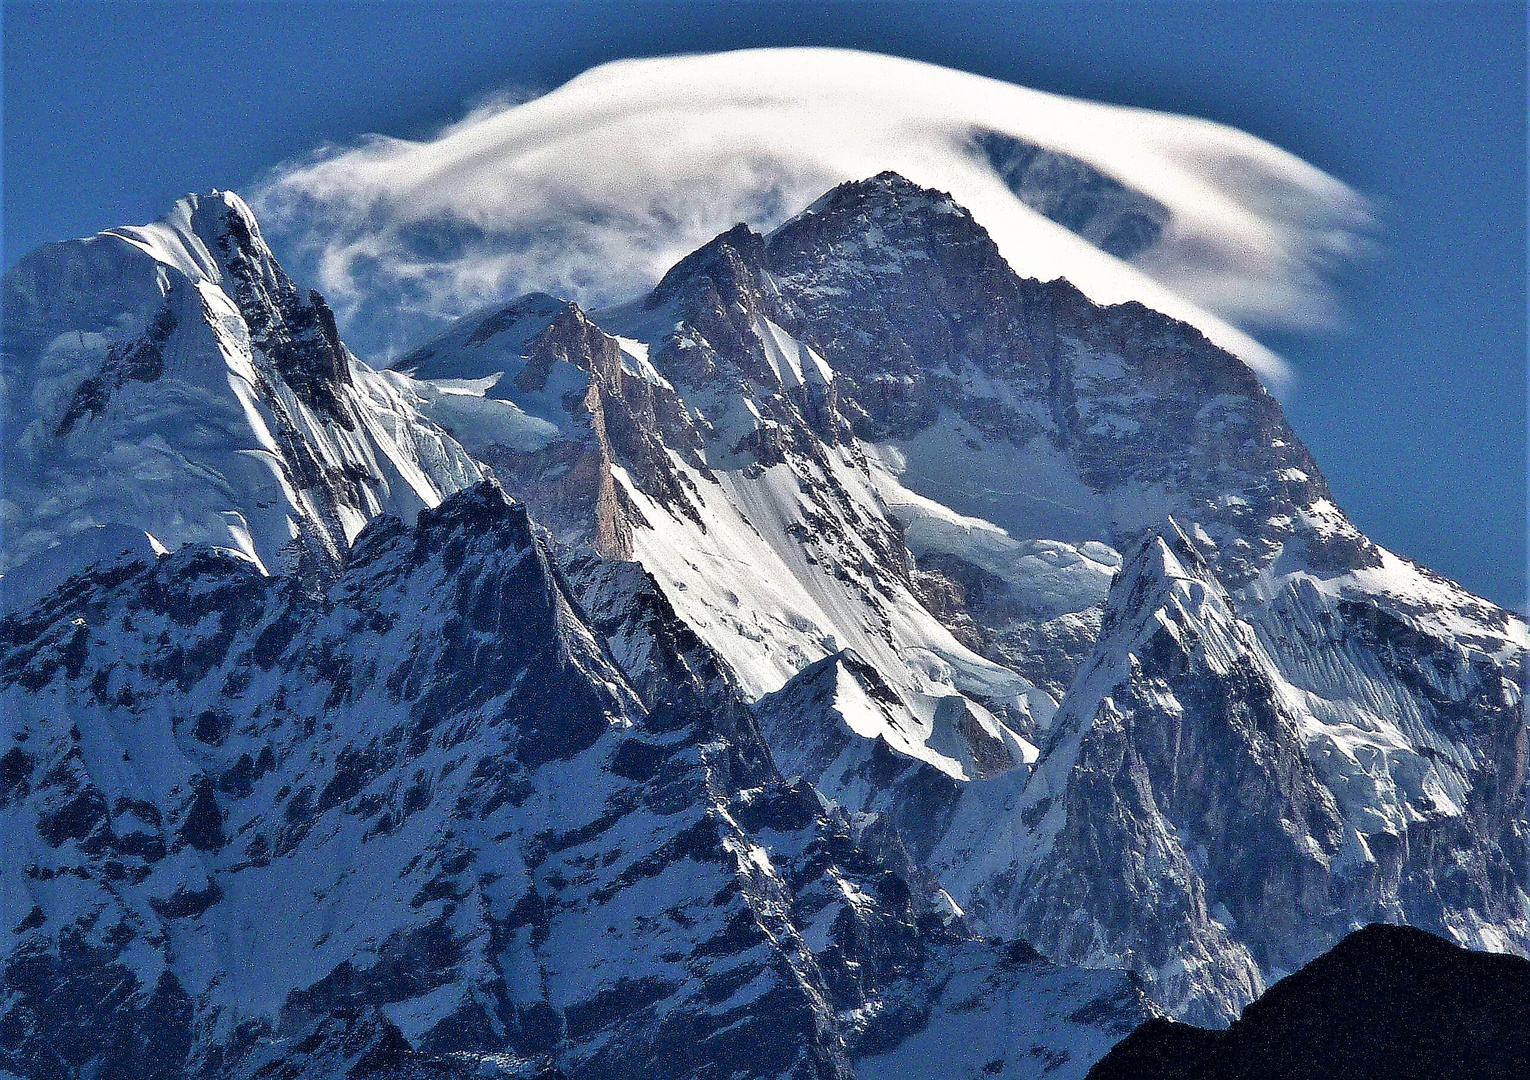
[{"x": 1416, "y": 410}]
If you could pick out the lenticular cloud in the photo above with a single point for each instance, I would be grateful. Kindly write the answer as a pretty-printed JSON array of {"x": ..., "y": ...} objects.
[{"x": 593, "y": 190}]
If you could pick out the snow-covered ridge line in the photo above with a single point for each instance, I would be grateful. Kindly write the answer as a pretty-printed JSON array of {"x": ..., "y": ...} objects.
[{"x": 170, "y": 380}]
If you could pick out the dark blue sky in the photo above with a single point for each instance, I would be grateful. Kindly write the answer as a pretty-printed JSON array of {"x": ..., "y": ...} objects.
[{"x": 1416, "y": 410}]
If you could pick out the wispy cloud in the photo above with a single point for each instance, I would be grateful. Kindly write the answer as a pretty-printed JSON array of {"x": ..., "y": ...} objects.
[{"x": 593, "y": 190}]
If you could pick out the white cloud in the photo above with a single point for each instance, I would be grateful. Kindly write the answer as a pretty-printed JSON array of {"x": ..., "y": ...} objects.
[{"x": 593, "y": 190}]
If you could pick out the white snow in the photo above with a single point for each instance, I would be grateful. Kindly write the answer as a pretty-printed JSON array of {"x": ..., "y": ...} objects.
[
  {"x": 1030, "y": 491},
  {"x": 635, "y": 362},
  {"x": 1052, "y": 576},
  {"x": 467, "y": 410},
  {"x": 200, "y": 453},
  {"x": 794, "y": 363}
]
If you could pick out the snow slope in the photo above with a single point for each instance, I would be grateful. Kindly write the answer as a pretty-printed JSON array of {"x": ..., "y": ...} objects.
[{"x": 416, "y": 822}]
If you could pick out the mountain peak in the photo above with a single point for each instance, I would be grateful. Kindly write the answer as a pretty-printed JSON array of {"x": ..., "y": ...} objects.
[
  {"x": 897, "y": 280},
  {"x": 202, "y": 236},
  {"x": 887, "y": 191},
  {"x": 223, "y": 214},
  {"x": 483, "y": 510},
  {"x": 1173, "y": 554},
  {"x": 732, "y": 260},
  {"x": 181, "y": 350},
  {"x": 1167, "y": 572}
]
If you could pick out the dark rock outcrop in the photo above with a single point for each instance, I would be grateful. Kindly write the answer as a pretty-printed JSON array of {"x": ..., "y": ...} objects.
[{"x": 1386, "y": 1003}]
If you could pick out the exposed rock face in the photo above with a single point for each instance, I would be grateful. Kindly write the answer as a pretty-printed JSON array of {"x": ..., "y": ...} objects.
[
  {"x": 825, "y": 724},
  {"x": 731, "y": 336},
  {"x": 545, "y": 361},
  {"x": 1387, "y": 1001},
  {"x": 916, "y": 309},
  {"x": 292, "y": 326},
  {"x": 1107, "y": 213},
  {"x": 418, "y": 823}
]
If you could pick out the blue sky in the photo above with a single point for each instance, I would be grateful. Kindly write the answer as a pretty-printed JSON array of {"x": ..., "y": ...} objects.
[{"x": 1416, "y": 409}]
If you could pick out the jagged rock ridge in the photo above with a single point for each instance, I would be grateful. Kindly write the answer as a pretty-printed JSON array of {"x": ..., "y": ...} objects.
[{"x": 419, "y": 819}]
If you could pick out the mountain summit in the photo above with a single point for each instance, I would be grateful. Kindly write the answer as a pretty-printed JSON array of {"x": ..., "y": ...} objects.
[
  {"x": 172, "y": 380},
  {"x": 946, "y": 511}
]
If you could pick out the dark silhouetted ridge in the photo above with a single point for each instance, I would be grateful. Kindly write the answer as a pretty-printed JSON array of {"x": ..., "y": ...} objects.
[{"x": 1386, "y": 1003}]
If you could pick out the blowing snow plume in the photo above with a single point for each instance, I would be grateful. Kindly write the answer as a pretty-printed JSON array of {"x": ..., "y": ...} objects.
[{"x": 593, "y": 190}]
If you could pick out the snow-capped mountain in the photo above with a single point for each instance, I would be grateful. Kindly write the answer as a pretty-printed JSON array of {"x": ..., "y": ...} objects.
[
  {"x": 882, "y": 427},
  {"x": 729, "y": 474},
  {"x": 685, "y": 686},
  {"x": 418, "y": 822},
  {"x": 169, "y": 383},
  {"x": 436, "y": 805}
]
